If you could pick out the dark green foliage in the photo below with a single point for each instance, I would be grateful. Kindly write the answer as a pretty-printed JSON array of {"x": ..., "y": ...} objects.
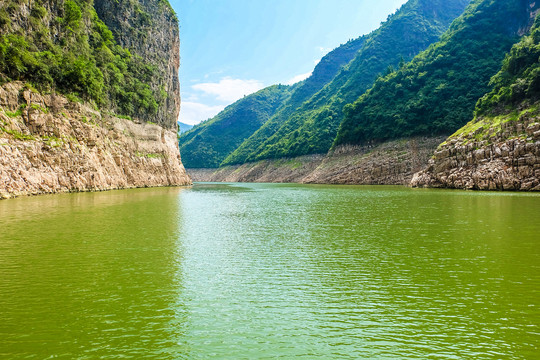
[
  {"x": 323, "y": 73},
  {"x": 209, "y": 143},
  {"x": 82, "y": 60},
  {"x": 519, "y": 78},
  {"x": 72, "y": 14},
  {"x": 312, "y": 126},
  {"x": 436, "y": 93}
]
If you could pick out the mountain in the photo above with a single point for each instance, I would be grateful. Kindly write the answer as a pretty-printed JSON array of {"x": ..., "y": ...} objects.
[
  {"x": 208, "y": 143},
  {"x": 311, "y": 127},
  {"x": 182, "y": 128},
  {"x": 436, "y": 92},
  {"x": 89, "y": 96},
  {"x": 325, "y": 70},
  {"x": 500, "y": 148},
  {"x": 323, "y": 73}
]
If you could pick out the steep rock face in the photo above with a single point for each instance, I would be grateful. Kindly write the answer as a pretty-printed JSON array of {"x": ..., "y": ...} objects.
[
  {"x": 49, "y": 144},
  {"x": 149, "y": 29},
  {"x": 503, "y": 156},
  {"x": 59, "y": 64}
]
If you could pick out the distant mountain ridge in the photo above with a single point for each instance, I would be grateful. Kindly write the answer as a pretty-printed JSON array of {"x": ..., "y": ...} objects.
[
  {"x": 312, "y": 126},
  {"x": 183, "y": 127},
  {"x": 436, "y": 93},
  {"x": 209, "y": 153},
  {"x": 207, "y": 144}
]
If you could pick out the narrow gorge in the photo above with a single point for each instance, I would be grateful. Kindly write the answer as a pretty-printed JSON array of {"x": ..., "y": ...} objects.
[{"x": 392, "y": 127}]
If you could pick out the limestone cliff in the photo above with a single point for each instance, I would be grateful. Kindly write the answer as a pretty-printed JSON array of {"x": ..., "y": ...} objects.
[
  {"x": 49, "y": 144},
  {"x": 122, "y": 56},
  {"x": 489, "y": 155},
  {"x": 84, "y": 106},
  {"x": 500, "y": 148}
]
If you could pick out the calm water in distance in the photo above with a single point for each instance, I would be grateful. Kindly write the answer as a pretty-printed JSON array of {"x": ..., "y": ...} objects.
[{"x": 269, "y": 271}]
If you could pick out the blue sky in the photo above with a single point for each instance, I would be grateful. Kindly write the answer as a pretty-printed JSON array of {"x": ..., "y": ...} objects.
[{"x": 231, "y": 48}]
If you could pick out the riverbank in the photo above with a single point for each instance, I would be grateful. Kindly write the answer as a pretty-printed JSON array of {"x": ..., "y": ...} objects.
[
  {"x": 390, "y": 163},
  {"x": 500, "y": 153},
  {"x": 49, "y": 144}
]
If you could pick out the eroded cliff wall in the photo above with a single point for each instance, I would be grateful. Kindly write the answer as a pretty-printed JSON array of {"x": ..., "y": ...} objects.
[
  {"x": 149, "y": 29},
  {"x": 49, "y": 144},
  {"x": 390, "y": 163},
  {"x": 489, "y": 154},
  {"x": 86, "y": 107}
]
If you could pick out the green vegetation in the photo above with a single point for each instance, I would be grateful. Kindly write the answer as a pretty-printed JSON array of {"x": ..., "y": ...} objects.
[
  {"x": 515, "y": 92},
  {"x": 519, "y": 78},
  {"x": 16, "y": 134},
  {"x": 150, "y": 155},
  {"x": 486, "y": 128},
  {"x": 14, "y": 114},
  {"x": 53, "y": 141},
  {"x": 73, "y": 52},
  {"x": 324, "y": 72},
  {"x": 206, "y": 145},
  {"x": 311, "y": 126},
  {"x": 436, "y": 92}
]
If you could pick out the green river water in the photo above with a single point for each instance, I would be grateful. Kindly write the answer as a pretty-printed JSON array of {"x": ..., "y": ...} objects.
[{"x": 271, "y": 271}]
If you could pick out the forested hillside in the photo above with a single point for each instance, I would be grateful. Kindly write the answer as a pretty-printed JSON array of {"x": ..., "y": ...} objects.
[
  {"x": 206, "y": 154},
  {"x": 436, "y": 93},
  {"x": 311, "y": 128},
  {"x": 518, "y": 81},
  {"x": 500, "y": 148},
  {"x": 207, "y": 144},
  {"x": 89, "y": 96}
]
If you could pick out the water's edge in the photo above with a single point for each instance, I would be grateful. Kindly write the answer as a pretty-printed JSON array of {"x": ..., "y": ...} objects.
[
  {"x": 53, "y": 145},
  {"x": 390, "y": 163}
]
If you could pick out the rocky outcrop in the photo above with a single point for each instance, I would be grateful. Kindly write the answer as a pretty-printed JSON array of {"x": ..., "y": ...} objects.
[
  {"x": 488, "y": 154},
  {"x": 391, "y": 163},
  {"x": 149, "y": 29},
  {"x": 49, "y": 144}
]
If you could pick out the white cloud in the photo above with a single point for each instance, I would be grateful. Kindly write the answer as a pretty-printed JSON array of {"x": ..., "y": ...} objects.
[
  {"x": 190, "y": 98},
  {"x": 193, "y": 113},
  {"x": 324, "y": 50},
  {"x": 228, "y": 89},
  {"x": 298, "y": 78}
]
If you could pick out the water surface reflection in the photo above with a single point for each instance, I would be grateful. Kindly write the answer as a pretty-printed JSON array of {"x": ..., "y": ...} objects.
[{"x": 254, "y": 271}]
